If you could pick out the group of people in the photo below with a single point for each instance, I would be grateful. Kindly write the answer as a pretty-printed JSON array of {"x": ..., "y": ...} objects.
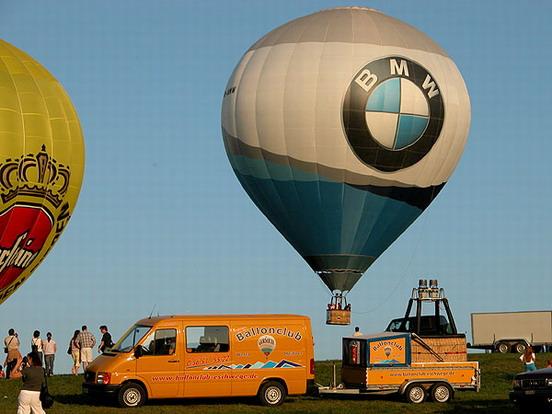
[
  {"x": 80, "y": 348},
  {"x": 339, "y": 302}
]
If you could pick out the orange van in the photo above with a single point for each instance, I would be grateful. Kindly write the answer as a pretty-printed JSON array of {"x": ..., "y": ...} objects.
[{"x": 268, "y": 356}]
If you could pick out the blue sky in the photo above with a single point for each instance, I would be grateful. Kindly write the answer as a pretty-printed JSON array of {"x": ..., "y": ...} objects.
[{"x": 162, "y": 221}]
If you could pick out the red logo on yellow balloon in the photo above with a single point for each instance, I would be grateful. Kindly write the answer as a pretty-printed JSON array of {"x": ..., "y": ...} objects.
[
  {"x": 33, "y": 188},
  {"x": 23, "y": 232}
]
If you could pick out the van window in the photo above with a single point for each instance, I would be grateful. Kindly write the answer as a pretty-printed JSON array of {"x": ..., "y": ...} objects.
[
  {"x": 160, "y": 342},
  {"x": 207, "y": 339}
]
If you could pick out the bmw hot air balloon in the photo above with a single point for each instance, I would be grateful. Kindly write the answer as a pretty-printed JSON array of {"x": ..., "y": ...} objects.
[
  {"x": 342, "y": 126},
  {"x": 41, "y": 165}
]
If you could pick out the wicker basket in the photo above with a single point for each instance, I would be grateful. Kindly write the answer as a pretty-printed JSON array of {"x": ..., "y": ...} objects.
[
  {"x": 338, "y": 317},
  {"x": 450, "y": 349}
]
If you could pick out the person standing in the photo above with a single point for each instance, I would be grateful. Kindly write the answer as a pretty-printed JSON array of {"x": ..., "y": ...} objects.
[
  {"x": 75, "y": 352},
  {"x": 50, "y": 348},
  {"x": 528, "y": 358},
  {"x": 87, "y": 341},
  {"x": 36, "y": 345},
  {"x": 11, "y": 345},
  {"x": 33, "y": 380},
  {"x": 106, "y": 341}
]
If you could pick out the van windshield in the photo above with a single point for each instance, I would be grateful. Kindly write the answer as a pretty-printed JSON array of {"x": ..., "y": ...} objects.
[{"x": 131, "y": 338}]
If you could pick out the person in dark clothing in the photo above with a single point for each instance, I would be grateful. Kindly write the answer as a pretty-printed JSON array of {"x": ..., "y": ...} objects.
[
  {"x": 106, "y": 341},
  {"x": 33, "y": 379}
]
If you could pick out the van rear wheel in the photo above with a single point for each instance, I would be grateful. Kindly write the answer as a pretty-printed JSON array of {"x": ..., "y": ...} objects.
[
  {"x": 272, "y": 394},
  {"x": 131, "y": 395}
]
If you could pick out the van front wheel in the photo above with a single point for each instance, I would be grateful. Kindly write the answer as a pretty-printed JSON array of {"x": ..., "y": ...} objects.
[
  {"x": 272, "y": 394},
  {"x": 131, "y": 395}
]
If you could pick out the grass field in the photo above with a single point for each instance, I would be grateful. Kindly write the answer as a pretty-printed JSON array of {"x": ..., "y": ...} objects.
[{"x": 497, "y": 373}]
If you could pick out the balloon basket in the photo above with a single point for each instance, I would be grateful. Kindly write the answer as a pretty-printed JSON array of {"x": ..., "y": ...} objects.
[{"x": 338, "y": 317}]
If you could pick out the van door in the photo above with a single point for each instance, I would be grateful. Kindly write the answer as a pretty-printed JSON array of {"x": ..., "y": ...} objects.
[
  {"x": 207, "y": 361},
  {"x": 161, "y": 363}
]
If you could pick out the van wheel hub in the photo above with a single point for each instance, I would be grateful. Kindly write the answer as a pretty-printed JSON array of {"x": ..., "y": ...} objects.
[
  {"x": 132, "y": 397},
  {"x": 273, "y": 395}
]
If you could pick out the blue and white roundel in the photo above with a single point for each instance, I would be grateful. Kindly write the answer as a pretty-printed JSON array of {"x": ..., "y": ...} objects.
[
  {"x": 397, "y": 113},
  {"x": 393, "y": 113}
]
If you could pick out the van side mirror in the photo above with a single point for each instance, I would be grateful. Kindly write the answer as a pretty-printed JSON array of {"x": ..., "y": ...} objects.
[{"x": 138, "y": 352}]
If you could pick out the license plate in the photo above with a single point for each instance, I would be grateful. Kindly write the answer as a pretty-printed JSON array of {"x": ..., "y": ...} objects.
[{"x": 529, "y": 392}]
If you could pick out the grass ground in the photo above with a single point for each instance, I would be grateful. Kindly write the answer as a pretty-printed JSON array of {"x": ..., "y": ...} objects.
[{"x": 497, "y": 374}]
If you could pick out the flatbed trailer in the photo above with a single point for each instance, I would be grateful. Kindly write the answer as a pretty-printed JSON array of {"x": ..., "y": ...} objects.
[{"x": 381, "y": 364}]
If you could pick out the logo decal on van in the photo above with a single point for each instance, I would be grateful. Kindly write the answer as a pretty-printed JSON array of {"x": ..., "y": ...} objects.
[
  {"x": 252, "y": 332},
  {"x": 266, "y": 344}
]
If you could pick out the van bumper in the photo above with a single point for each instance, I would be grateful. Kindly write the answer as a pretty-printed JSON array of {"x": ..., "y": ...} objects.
[{"x": 100, "y": 389}]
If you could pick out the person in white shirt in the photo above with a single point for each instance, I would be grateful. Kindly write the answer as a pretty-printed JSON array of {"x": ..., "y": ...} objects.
[
  {"x": 36, "y": 344},
  {"x": 49, "y": 348}
]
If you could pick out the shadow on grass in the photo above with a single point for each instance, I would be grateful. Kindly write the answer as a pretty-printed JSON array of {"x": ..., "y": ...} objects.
[
  {"x": 483, "y": 406},
  {"x": 86, "y": 400},
  {"x": 81, "y": 399}
]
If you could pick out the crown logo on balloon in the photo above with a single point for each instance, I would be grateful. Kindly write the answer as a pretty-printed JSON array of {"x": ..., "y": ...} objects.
[{"x": 35, "y": 175}]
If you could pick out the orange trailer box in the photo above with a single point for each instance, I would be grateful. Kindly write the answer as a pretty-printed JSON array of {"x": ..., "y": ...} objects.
[
  {"x": 269, "y": 356},
  {"x": 383, "y": 363}
]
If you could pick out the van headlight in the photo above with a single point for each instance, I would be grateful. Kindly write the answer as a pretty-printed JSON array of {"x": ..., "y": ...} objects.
[
  {"x": 103, "y": 378},
  {"x": 549, "y": 382},
  {"x": 516, "y": 383}
]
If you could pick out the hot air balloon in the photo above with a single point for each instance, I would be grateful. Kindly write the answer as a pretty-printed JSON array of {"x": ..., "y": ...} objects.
[
  {"x": 342, "y": 126},
  {"x": 41, "y": 165}
]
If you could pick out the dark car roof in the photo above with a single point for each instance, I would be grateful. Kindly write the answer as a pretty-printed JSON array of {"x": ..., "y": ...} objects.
[{"x": 544, "y": 372}]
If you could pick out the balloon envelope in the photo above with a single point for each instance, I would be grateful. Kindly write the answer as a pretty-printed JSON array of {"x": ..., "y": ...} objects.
[
  {"x": 343, "y": 126},
  {"x": 41, "y": 165}
]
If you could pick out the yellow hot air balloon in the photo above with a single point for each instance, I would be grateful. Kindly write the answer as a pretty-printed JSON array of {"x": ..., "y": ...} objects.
[{"x": 41, "y": 165}]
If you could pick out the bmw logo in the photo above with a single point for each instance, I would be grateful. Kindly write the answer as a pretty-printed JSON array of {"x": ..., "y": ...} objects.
[{"x": 393, "y": 113}]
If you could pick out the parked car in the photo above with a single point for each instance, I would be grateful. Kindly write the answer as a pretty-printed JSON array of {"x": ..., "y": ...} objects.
[{"x": 532, "y": 391}]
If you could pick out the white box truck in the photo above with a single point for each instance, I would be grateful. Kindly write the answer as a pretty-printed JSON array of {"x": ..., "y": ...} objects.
[{"x": 511, "y": 331}]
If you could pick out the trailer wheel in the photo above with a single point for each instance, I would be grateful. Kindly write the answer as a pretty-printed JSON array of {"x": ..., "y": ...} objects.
[
  {"x": 520, "y": 347},
  {"x": 272, "y": 394},
  {"x": 503, "y": 347},
  {"x": 441, "y": 392},
  {"x": 415, "y": 394}
]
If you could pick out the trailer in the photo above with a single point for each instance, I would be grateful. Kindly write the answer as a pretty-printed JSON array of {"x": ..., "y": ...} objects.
[
  {"x": 511, "y": 331},
  {"x": 383, "y": 364}
]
